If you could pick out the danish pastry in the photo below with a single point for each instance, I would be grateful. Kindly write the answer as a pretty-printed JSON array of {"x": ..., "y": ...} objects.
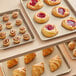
[
  {"x": 48, "y": 51},
  {"x": 52, "y": 2},
  {"x": 8, "y": 25},
  {"x": 35, "y": 4},
  {"x": 29, "y": 57},
  {"x": 55, "y": 63},
  {"x": 15, "y": 15},
  {"x": 69, "y": 23},
  {"x": 2, "y": 35},
  {"x": 0, "y": 27},
  {"x": 5, "y": 17},
  {"x": 12, "y": 32},
  {"x": 11, "y": 63},
  {"x": 26, "y": 36},
  {"x": 49, "y": 30},
  {"x": 19, "y": 72},
  {"x": 74, "y": 52},
  {"x": 59, "y": 11},
  {"x": 38, "y": 69},
  {"x": 41, "y": 17},
  {"x": 18, "y": 22}
]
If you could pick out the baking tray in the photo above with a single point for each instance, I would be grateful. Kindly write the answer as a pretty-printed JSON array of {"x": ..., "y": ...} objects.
[
  {"x": 65, "y": 68},
  {"x": 53, "y": 20},
  {"x": 21, "y": 16}
]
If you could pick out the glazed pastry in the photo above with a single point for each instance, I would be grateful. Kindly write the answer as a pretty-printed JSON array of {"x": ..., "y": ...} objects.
[
  {"x": 18, "y": 22},
  {"x": 2, "y": 35},
  {"x": 11, "y": 63},
  {"x": 29, "y": 57},
  {"x": 49, "y": 30},
  {"x": 59, "y": 11},
  {"x": 0, "y": 27},
  {"x": 26, "y": 36},
  {"x": 8, "y": 25},
  {"x": 16, "y": 39},
  {"x": 52, "y": 2},
  {"x": 5, "y": 17},
  {"x": 48, "y": 51},
  {"x": 69, "y": 23},
  {"x": 41, "y": 17},
  {"x": 15, "y": 15},
  {"x": 35, "y": 4},
  {"x": 38, "y": 69},
  {"x": 55, "y": 63},
  {"x": 12, "y": 32},
  {"x": 6, "y": 42},
  {"x": 19, "y": 72},
  {"x": 74, "y": 52}
]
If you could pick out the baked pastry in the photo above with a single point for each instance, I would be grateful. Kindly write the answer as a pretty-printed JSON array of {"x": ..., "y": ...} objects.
[
  {"x": 29, "y": 57},
  {"x": 55, "y": 63},
  {"x": 49, "y": 30},
  {"x": 18, "y": 22},
  {"x": 0, "y": 27},
  {"x": 69, "y": 23},
  {"x": 15, "y": 14},
  {"x": 19, "y": 72},
  {"x": 52, "y": 2},
  {"x": 26, "y": 37},
  {"x": 48, "y": 51},
  {"x": 12, "y": 33},
  {"x": 11, "y": 63},
  {"x": 6, "y": 42},
  {"x": 8, "y": 25},
  {"x": 59, "y": 11},
  {"x": 41, "y": 17},
  {"x": 35, "y": 4},
  {"x": 74, "y": 52},
  {"x": 5, "y": 17},
  {"x": 38, "y": 69},
  {"x": 16, "y": 39},
  {"x": 2, "y": 35}
]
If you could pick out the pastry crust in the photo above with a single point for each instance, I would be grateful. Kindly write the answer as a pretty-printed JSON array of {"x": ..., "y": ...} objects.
[
  {"x": 8, "y": 25},
  {"x": 37, "y": 6},
  {"x": 49, "y": 33},
  {"x": 2, "y": 35},
  {"x": 52, "y": 2},
  {"x": 15, "y": 15},
  {"x": 43, "y": 19},
  {"x": 22, "y": 30},
  {"x": 74, "y": 52},
  {"x": 18, "y": 22},
  {"x": 57, "y": 14},
  {"x": 26, "y": 37},
  {"x": 12, "y": 33},
  {"x": 29, "y": 57},
  {"x": 0, "y": 27},
  {"x": 5, "y": 17},
  {"x": 68, "y": 26}
]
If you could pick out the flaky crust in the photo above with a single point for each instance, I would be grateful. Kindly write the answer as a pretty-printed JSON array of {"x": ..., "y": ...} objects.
[{"x": 74, "y": 52}]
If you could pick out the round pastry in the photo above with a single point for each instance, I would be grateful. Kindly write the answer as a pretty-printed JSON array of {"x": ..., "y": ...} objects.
[
  {"x": 16, "y": 39},
  {"x": 12, "y": 33},
  {"x": 35, "y": 4},
  {"x": 8, "y": 25},
  {"x": 69, "y": 23},
  {"x": 18, "y": 22},
  {"x": 5, "y": 17},
  {"x": 52, "y": 2},
  {"x": 41, "y": 17},
  {"x": 6, "y": 42},
  {"x": 59, "y": 11},
  {"x": 15, "y": 15},
  {"x": 49, "y": 30},
  {"x": 0, "y": 27},
  {"x": 26, "y": 36},
  {"x": 2, "y": 35},
  {"x": 74, "y": 52}
]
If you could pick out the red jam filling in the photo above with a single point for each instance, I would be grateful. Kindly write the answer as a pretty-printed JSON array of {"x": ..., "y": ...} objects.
[
  {"x": 33, "y": 2},
  {"x": 61, "y": 11},
  {"x": 41, "y": 15},
  {"x": 53, "y": 0},
  {"x": 49, "y": 27}
]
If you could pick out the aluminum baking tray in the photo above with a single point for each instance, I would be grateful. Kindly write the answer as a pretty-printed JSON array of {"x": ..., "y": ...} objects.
[
  {"x": 21, "y": 16},
  {"x": 65, "y": 68},
  {"x": 53, "y": 20}
]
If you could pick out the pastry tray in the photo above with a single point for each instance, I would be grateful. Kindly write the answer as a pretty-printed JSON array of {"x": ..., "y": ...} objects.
[
  {"x": 16, "y": 28},
  {"x": 53, "y": 20},
  {"x": 65, "y": 68}
]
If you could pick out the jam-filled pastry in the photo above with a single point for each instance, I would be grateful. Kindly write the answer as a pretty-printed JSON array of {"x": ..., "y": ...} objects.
[
  {"x": 5, "y": 17},
  {"x": 55, "y": 63},
  {"x": 18, "y": 22},
  {"x": 8, "y": 25},
  {"x": 2, "y": 35},
  {"x": 29, "y": 57},
  {"x": 35, "y": 4},
  {"x": 69, "y": 23},
  {"x": 52, "y": 2},
  {"x": 74, "y": 52},
  {"x": 41, "y": 17},
  {"x": 48, "y": 51},
  {"x": 19, "y": 72},
  {"x": 13, "y": 62},
  {"x": 1, "y": 27},
  {"x": 26, "y": 36},
  {"x": 12, "y": 32},
  {"x": 59, "y": 11},
  {"x": 49, "y": 30},
  {"x": 38, "y": 69},
  {"x": 6, "y": 42}
]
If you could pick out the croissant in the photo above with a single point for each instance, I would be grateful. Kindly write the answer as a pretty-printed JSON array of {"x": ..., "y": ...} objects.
[{"x": 55, "y": 63}]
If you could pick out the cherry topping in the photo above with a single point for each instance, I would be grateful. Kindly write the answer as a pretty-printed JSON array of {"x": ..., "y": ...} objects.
[
  {"x": 61, "y": 11},
  {"x": 41, "y": 15},
  {"x": 33, "y": 2},
  {"x": 53, "y": 0},
  {"x": 49, "y": 27}
]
